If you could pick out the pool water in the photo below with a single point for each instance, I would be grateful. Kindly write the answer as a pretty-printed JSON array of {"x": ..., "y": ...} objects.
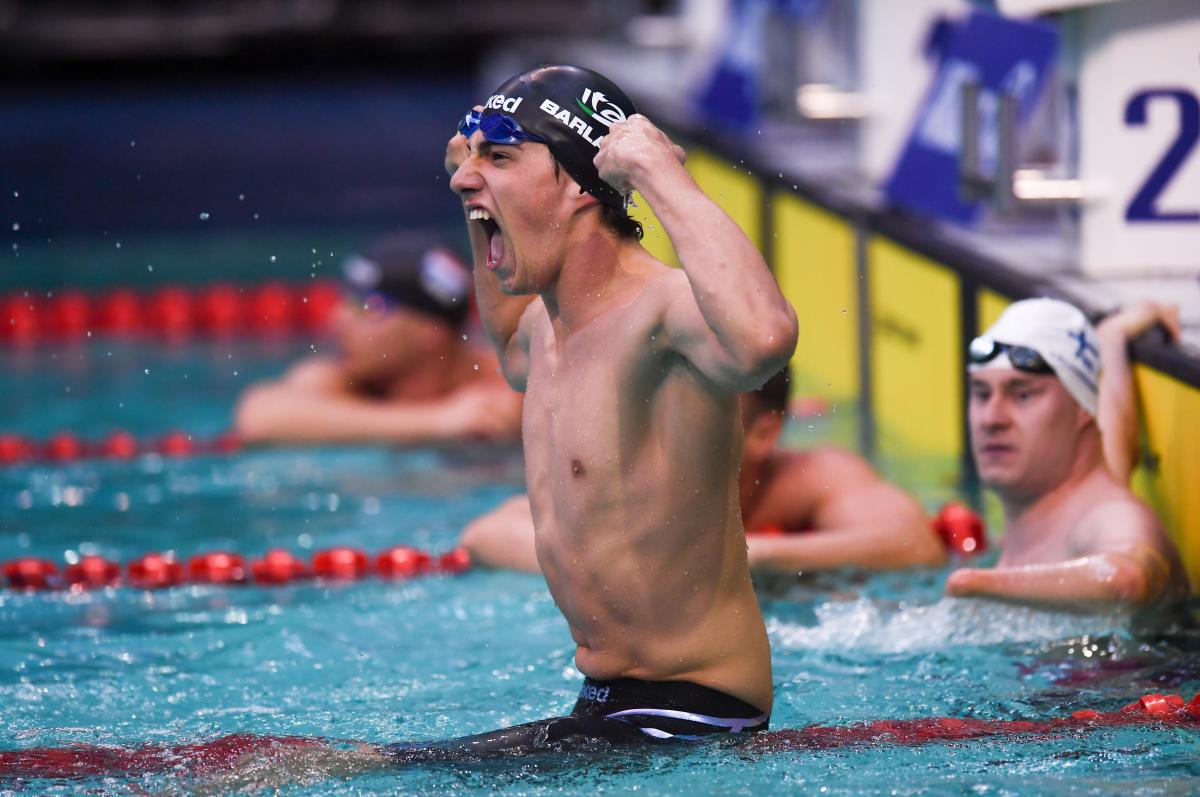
[{"x": 445, "y": 656}]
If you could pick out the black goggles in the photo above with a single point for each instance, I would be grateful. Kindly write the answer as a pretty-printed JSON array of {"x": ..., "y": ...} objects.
[
  {"x": 984, "y": 349},
  {"x": 496, "y": 128}
]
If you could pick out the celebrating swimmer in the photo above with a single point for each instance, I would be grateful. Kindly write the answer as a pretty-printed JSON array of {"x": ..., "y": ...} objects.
[
  {"x": 631, "y": 371},
  {"x": 1075, "y": 535}
]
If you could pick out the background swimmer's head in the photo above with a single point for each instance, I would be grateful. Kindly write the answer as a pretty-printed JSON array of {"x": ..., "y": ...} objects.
[
  {"x": 570, "y": 108},
  {"x": 1058, "y": 332},
  {"x": 764, "y": 412},
  {"x": 405, "y": 298},
  {"x": 1032, "y": 397}
]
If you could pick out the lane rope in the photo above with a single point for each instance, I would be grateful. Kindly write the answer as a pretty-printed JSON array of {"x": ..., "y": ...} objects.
[
  {"x": 278, "y": 566},
  {"x": 172, "y": 312}
]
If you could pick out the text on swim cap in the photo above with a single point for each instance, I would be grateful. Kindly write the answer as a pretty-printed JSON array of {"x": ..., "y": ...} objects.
[
  {"x": 498, "y": 102},
  {"x": 582, "y": 128}
]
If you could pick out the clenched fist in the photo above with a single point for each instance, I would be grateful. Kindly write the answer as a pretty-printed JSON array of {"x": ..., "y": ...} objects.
[{"x": 633, "y": 149}]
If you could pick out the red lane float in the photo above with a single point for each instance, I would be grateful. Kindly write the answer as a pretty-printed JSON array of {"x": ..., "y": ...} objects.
[
  {"x": 962, "y": 530},
  {"x": 119, "y": 313},
  {"x": 401, "y": 561},
  {"x": 154, "y": 571},
  {"x": 14, "y": 448},
  {"x": 277, "y": 566},
  {"x": 68, "y": 315},
  {"x": 318, "y": 302},
  {"x": 93, "y": 572},
  {"x": 341, "y": 563},
  {"x": 30, "y": 573},
  {"x": 220, "y": 311},
  {"x": 119, "y": 445},
  {"x": 19, "y": 319},
  {"x": 271, "y": 309},
  {"x": 218, "y": 567},
  {"x": 206, "y": 759}
]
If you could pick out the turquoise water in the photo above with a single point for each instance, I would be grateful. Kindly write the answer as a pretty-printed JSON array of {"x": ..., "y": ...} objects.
[{"x": 443, "y": 656}]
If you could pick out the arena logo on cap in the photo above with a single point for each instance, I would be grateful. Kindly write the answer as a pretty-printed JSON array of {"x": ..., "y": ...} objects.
[
  {"x": 604, "y": 115},
  {"x": 498, "y": 102},
  {"x": 573, "y": 122}
]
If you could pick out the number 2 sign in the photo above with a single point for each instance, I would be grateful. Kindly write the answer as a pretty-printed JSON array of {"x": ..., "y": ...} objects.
[{"x": 1139, "y": 99}]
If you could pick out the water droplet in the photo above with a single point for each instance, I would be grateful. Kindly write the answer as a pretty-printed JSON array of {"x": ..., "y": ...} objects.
[
  {"x": 203, "y": 215},
  {"x": 147, "y": 370},
  {"x": 241, "y": 197},
  {"x": 16, "y": 226},
  {"x": 149, "y": 267},
  {"x": 16, "y": 194},
  {"x": 118, "y": 244},
  {"x": 272, "y": 258},
  {"x": 133, "y": 143}
]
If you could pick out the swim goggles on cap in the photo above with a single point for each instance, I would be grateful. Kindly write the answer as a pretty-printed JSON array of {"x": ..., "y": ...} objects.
[
  {"x": 497, "y": 128},
  {"x": 984, "y": 349}
]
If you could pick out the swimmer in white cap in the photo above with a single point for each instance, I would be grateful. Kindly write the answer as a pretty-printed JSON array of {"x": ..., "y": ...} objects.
[{"x": 1075, "y": 536}]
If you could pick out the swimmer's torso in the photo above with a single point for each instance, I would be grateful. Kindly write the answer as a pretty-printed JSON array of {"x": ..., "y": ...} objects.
[{"x": 632, "y": 469}]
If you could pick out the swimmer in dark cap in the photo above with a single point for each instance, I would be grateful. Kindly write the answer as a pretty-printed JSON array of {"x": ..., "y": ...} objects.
[
  {"x": 631, "y": 372},
  {"x": 406, "y": 372}
]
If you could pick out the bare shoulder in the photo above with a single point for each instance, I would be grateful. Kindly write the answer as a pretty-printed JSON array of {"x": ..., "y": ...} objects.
[
  {"x": 1118, "y": 519},
  {"x": 841, "y": 464},
  {"x": 316, "y": 373}
]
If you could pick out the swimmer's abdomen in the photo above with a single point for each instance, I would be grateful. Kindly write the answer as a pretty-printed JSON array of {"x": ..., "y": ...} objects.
[{"x": 642, "y": 549}]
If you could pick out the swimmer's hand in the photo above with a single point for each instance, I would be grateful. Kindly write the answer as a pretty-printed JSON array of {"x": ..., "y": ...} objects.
[
  {"x": 456, "y": 150},
  {"x": 456, "y": 153},
  {"x": 481, "y": 412},
  {"x": 1129, "y": 322},
  {"x": 633, "y": 149}
]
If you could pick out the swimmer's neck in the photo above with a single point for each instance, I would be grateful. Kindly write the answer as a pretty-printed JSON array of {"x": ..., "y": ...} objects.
[
  {"x": 1034, "y": 515},
  {"x": 437, "y": 373},
  {"x": 600, "y": 271}
]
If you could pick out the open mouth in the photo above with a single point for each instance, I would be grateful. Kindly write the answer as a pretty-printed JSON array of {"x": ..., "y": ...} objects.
[{"x": 495, "y": 240}]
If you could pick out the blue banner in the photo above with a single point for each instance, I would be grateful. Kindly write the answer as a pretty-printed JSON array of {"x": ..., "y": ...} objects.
[{"x": 1004, "y": 56}]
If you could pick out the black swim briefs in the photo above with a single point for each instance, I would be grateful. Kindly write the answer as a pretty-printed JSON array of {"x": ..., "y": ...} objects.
[{"x": 622, "y": 711}]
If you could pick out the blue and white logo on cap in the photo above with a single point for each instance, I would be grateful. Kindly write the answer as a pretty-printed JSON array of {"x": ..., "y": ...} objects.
[{"x": 444, "y": 278}]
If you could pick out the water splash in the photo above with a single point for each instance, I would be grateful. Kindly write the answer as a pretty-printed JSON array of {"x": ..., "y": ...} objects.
[{"x": 864, "y": 624}]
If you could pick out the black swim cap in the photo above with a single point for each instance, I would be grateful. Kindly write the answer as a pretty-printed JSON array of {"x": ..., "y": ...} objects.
[
  {"x": 413, "y": 272},
  {"x": 570, "y": 108}
]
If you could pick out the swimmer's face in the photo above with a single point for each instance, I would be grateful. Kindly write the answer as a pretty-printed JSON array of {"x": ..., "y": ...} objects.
[
  {"x": 381, "y": 344},
  {"x": 529, "y": 204},
  {"x": 761, "y": 428},
  {"x": 1024, "y": 430}
]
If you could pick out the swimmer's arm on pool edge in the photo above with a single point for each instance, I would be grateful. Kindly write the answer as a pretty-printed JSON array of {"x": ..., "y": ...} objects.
[
  {"x": 1120, "y": 567},
  {"x": 310, "y": 411},
  {"x": 855, "y": 519},
  {"x": 733, "y": 325}
]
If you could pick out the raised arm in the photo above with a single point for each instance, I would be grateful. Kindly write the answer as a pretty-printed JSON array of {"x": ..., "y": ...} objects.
[
  {"x": 734, "y": 325},
  {"x": 500, "y": 314},
  {"x": 1118, "y": 412}
]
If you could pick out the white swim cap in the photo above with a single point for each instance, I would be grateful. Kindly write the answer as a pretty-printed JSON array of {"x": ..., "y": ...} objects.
[{"x": 1061, "y": 334}]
